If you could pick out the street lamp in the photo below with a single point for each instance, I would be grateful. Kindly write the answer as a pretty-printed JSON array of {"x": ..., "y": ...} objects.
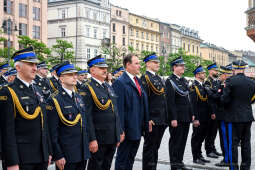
[
  {"x": 163, "y": 64},
  {"x": 7, "y": 26}
]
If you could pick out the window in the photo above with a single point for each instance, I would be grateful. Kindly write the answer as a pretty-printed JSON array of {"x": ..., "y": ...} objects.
[
  {"x": 22, "y": 29},
  {"x": 113, "y": 27},
  {"x": 156, "y": 48},
  {"x": 193, "y": 48},
  {"x": 123, "y": 41},
  {"x": 144, "y": 23},
  {"x": 95, "y": 14},
  {"x": 118, "y": 13},
  {"x": 189, "y": 48},
  {"x": 95, "y": 32},
  {"x": 131, "y": 31},
  {"x": 8, "y": 6},
  {"x": 142, "y": 35},
  {"x": 131, "y": 44},
  {"x": 63, "y": 31},
  {"x": 137, "y": 34},
  {"x": 147, "y": 36},
  {"x": 36, "y": 13},
  {"x": 151, "y": 25},
  {"x": 88, "y": 31},
  {"x": 88, "y": 53},
  {"x": 156, "y": 38},
  {"x": 137, "y": 21},
  {"x": 63, "y": 13},
  {"x": 87, "y": 12},
  {"x": 184, "y": 48},
  {"x": 95, "y": 52},
  {"x": 113, "y": 39},
  {"x": 142, "y": 47},
  {"x": 152, "y": 37},
  {"x": 23, "y": 10},
  {"x": 104, "y": 17},
  {"x": 137, "y": 46},
  {"x": 147, "y": 47},
  {"x": 36, "y": 32},
  {"x": 197, "y": 49},
  {"x": 124, "y": 29},
  {"x": 104, "y": 33},
  {"x": 152, "y": 48}
]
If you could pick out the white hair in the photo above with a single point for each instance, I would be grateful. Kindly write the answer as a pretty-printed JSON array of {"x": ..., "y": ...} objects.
[{"x": 18, "y": 63}]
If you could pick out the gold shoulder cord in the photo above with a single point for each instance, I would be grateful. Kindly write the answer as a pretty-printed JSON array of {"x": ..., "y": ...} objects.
[
  {"x": 63, "y": 119},
  {"x": 200, "y": 96},
  {"x": 75, "y": 89},
  {"x": 52, "y": 85},
  {"x": 97, "y": 102},
  {"x": 153, "y": 88},
  {"x": 253, "y": 98},
  {"x": 22, "y": 112}
]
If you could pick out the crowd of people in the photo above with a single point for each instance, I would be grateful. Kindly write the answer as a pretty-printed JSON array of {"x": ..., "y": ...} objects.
[{"x": 79, "y": 123}]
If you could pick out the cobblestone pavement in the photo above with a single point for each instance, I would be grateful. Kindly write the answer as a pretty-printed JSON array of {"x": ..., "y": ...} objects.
[{"x": 164, "y": 157}]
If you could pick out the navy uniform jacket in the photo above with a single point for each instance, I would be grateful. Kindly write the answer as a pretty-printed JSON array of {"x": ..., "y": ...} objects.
[
  {"x": 54, "y": 84},
  {"x": 133, "y": 108},
  {"x": 104, "y": 125},
  {"x": 3, "y": 81},
  {"x": 199, "y": 102},
  {"x": 237, "y": 97},
  {"x": 70, "y": 142},
  {"x": 179, "y": 106},
  {"x": 156, "y": 101},
  {"x": 214, "y": 85},
  {"x": 44, "y": 84},
  {"x": 24, "y": 141}
]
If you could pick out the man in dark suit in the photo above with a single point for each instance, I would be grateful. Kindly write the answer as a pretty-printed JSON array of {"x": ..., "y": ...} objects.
[
  {"x": 68, "y": 122},
  {"x": 41, "y": 79},
  {"x": 133, "y": 112},
  {"x": 81, "y": 79},
  {"x": 199, "y": 101},
  {"x": 155, "y": 90},
  {"x": 237, "y": 96},
  {"x": 104, "y": 124},
  {"x": 180, "y": 113},
  {"x": 212, "y": 82},
  {"x": 26, "y": 142}
]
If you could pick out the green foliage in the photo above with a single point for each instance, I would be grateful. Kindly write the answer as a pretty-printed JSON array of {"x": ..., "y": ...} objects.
[
  {"x": 116, "y": 55},
  {"x": 2, "y": 39},
  {"x": 64, "y": 51},
  {"x": 4, "y": 53},
  {"x": 40, "y": 48}
]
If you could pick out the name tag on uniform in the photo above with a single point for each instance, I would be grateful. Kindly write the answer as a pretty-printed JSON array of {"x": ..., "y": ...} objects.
[
  {"x": 25, "y": 97},
  {"x": 67, "y": 107}
]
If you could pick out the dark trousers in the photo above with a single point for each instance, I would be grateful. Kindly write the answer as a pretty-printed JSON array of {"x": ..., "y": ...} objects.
[
  {"x": 151, "y": 145},
  {"x": 224, "y": 139},
  {"x": 198, "y": 136},
  {"x": 211, "y": 135},
  {"x": 177, "y": 144},
  {"x": 75, "y": 166},
  {"x": 241, "y": 132},
  {"x": 102, "y": 159},
  {"x": 126, "y": 154},
  {"x": 41, "y": 166}
]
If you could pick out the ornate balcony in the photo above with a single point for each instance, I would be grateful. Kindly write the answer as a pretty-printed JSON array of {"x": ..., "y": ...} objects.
[{"x": 251, "y": 23}]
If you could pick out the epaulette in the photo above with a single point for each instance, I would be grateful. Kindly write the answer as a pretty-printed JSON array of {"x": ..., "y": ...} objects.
[{"x": 192, "y": 88}]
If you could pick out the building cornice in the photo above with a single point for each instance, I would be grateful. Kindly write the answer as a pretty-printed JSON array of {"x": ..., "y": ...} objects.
[
  {"x": 81, "y": 19},
  {"x": 141, "y": 28},
  {"x": 120, "y": 21}
]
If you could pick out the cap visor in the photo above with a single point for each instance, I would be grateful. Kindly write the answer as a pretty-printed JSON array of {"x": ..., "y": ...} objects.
[
  {"x": 31, "y": 61},
  {"x": 101, "y": 65},
  {"x": 69, "y": 71}
]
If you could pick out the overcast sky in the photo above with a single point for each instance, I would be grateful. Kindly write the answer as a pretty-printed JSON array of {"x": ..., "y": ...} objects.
[{"x": 220, "y": 22}]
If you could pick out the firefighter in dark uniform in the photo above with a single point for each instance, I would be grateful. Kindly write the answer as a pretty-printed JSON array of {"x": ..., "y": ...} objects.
[
  {"x": 212, "y": 82},
  {"x": 68, "y": 122},
  {"x": 180, "y": 113},
  {"x": 224, "y": 73},
  {"x": 199, "y": 100},
  {"x": 41, "y": 79},
  {"x": 54, "y": 80},
  {"x": 104, "y": 125},
  {"x": 118, "y": 72},
  {"x": 238, "y": 94},
  {"x": 26, "y": 142},
  {"x": 80, "y": 79},
  {"x": 155, "y": 89},
  {"x": 3, "y": 68}
]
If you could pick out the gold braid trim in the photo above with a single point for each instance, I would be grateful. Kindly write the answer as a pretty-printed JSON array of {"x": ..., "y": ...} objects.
[
  {"x": 153, "y": 88},
  {"x": 75, "y": 89},
  {"x": 52, "y": 85},
  {"x": 200, "y": 96},
  {"x": 253, "y": 98},
  {"x": 22, "y": 112},
  {"x": 62, "y": 117},
  {"x": 97, "y": 102}
]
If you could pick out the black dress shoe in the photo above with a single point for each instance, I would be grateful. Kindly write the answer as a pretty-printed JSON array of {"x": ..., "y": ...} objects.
[
  {"x": 199, "y": 161},
  {"x": 204, "y": 160},
  {"x": 222, "y": 164},
  {"x": 217, "y": 153},
  {"x": 212, "y": 155}
]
